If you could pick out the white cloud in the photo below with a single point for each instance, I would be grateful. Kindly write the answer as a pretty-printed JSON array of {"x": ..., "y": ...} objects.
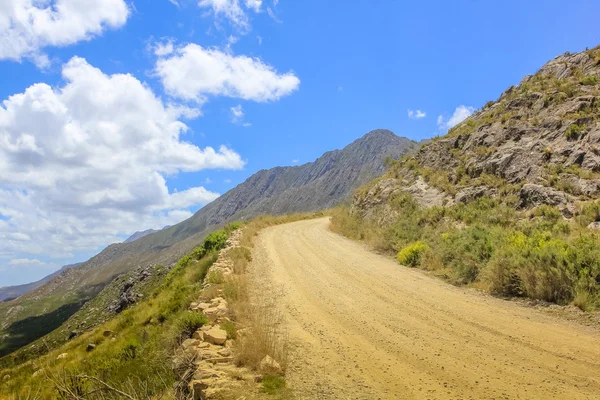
[
  {"x": 260, "y": 40},
  {"x": 232, "y": 11},
  {"x": 237, "y": 114},
  {"x": 87, "y": 161},
  {"x": 27, "y": 262},
  {"x": 193, "y": 72},
  {"x": 460, "y": 114},
  {"x": 416, "y": 114},
  {"x": 162, "y": 49},
  {"x": 254, "y": 4},
  {"x": 273, "y": 16},
  {"x": 295, "y": 161},
  {"x": 174, "y": 2},
  {"x": 28, "y": 26}
]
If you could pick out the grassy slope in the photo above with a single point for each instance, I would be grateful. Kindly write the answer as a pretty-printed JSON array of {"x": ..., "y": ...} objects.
[{"x": 138, "y": 359}]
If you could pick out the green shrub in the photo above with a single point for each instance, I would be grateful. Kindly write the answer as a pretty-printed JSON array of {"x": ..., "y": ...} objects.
[
  {"x": 573, "y": 131},
  {"x": 411, "y": 254},
  {"x": 229, "y": 327},
  {"x": 589, "y": 80},
  {"x": 188, "y": 323},
  {"x": 273, "y": 384}
]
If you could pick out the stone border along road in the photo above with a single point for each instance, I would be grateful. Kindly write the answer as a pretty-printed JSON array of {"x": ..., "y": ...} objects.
[
  {"x": 209, "y": 347},
  {"x": 363, "y": 327}
]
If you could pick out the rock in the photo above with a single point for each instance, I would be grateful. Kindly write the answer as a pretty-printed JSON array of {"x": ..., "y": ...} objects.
[
  {"x": 62, "y": 356},
  {"x": 533, "y": 195},
  {"x": 38, "y": 372},
  {"x": 203, "y": 374},
  {"x": 206, "y": 327},
  {"x": 269, "y": 365},
  {"x": 199, "y": 335},
  {"x": 6, "y": 378},
  {"x": 469, "y": 194},
  {"x": 90, "y": 347},
  {"x": 72, "y": 334},
  {"x": 108, "y": 333},
  {"x": 594, "y": 225},
  {"x": 197, "y": 388},
  {"x": 215, "y": 335},
  {"x": 202, "y": 306},
  {"x": 193, "y": 306},
  {"x": 190, "y": 343},
  {"x": 226, "y": 352}
]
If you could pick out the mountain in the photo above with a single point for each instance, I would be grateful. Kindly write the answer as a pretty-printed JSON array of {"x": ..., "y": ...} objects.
[
  {"x": 12, "y": 292},
  {"x": 540, "y": 141},
  {"x": 138, "y": 235},
  {"x": 313, "y": 186}
]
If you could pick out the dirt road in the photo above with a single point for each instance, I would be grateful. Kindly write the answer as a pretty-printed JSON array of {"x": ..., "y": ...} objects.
[{"x": 363, "y": 327}]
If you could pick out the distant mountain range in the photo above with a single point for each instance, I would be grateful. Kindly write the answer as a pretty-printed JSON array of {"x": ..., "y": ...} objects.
[
  {"x": 12, "y": 292},
  {"x": 318, "y": 185}
]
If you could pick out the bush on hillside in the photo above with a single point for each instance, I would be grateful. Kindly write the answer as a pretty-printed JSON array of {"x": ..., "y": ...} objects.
[{"x": 411, "y": 254}]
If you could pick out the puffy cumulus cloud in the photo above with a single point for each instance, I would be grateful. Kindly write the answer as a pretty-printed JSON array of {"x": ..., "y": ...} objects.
[
  {"x": 193, "y": 72},
  {"x": 85, "y": 162},
  {"x": 460, "y": 114},
  {"x": 416, "y": 114},
  {"x": 27, "y": 26}
]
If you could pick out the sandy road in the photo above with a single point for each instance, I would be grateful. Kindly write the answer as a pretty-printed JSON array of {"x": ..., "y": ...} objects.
[{"x": 363, "y": 327}]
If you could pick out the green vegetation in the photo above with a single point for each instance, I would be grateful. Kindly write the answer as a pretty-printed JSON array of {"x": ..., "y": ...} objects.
[
  {"x": 133, "y": 351},
  {"x": 589, "y": 80},
  {"x": 488, "y": 244},
  {"x": 411, "y": 254},
  {"x": 273, "y": 384},
  {"x": 573, "y": 131}
]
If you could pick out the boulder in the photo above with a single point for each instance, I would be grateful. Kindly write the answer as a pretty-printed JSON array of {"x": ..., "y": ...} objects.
[
  {"x": 270, "y": 366},
  {"x": 533, "y": 195},
  {"x": 202, "y": 306},
  {"x": 108, "y": 333},
  {"x": 469, "y": 194},
  {"x": 62, "y": 356},
  {"x": 215, "y": 335},
  {"x": 90, "y": 347}
]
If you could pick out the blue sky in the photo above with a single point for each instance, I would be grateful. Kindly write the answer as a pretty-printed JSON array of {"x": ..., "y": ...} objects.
[{"x": 310, "y": 76}]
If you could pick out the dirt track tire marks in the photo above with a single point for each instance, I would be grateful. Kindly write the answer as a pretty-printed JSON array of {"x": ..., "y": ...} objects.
[{"x": 363, "y": 327}]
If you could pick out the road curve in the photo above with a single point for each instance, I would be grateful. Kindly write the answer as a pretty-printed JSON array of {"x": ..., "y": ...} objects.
[{"x": 363, "y": 327}]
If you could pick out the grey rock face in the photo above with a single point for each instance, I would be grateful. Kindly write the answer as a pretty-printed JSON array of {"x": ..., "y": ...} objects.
[{"x": 535, "y": 195}]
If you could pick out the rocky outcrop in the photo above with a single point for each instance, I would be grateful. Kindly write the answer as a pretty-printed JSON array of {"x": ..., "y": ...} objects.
[{"x": 540, "y": 142}]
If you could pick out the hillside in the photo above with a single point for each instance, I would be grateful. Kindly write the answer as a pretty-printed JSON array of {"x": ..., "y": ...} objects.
[
  {"x": 507, "y": 200},
  {"x": 312, "y": 186},
  {"x": 12, "y": 292}
]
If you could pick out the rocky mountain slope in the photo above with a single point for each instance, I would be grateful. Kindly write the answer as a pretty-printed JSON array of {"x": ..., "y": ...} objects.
[
  {"x": 540, "y": 141},
  {"x": 312, "y": 186}
]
